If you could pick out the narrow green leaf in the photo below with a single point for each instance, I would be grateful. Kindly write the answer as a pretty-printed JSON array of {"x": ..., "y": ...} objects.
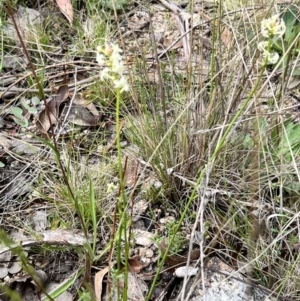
[
  {"x": 93, "y": 214},
  {"x": 63, "y": 286},
  {"x": 13, "y": 295}
]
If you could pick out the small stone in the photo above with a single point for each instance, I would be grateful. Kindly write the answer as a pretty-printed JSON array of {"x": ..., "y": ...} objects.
[
  {"x": 185, "y": 271},
  {"x": 15, "y": 268},
  {"x": 143, "y": 238}
]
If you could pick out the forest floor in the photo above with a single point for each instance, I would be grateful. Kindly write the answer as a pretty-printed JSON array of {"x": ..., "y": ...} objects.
[{"x": 149, "y": 150}]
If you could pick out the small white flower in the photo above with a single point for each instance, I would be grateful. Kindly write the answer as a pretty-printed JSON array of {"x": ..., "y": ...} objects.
[
  {"x": 105, "y": 74},
  {"x": 116, "y": 54},
  {"x": 117, "y": 67},
  {"x": 99, "y": 49},
  {"x": 111, "y": 56},
  {"x": 271, "y": 57},
  {"x": 273, "y": 26},
  {"x": 121, "y": 84},
  {"x": 116, "y": 49},
  {"x": 111, "y": 187},
  {"x": 107, "y": 50},
  {"x": 100, "y": 58},
  {"x": 262, "y": 46}
]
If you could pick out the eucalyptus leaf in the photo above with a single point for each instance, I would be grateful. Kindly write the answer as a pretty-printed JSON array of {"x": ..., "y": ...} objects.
[{"x": 1, "y": 164}]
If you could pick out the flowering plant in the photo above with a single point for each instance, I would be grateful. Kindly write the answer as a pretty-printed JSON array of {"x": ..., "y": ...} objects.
[
  {"x": 271, "y": 28},
  {"x": 111, "y": 57},
  {"x": 281, "y": 34}
]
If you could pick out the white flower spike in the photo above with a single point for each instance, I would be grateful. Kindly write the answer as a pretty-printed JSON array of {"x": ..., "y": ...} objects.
[
  {"x": 121, "y": 84},
  {"x": 111, "y": 56},
  {"x": 273, "y": 26},
  {"x": 117, "y": 67},
  {"x": 105, "y": 74},
  {"x": 100, "y": 58},
  {"x": 263, "y": 46}
]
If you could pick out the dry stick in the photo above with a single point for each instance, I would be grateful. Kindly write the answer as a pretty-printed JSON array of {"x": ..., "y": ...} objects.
[
  {"x": 177, "y": 11},
  {"x": 171, "y": 6},
  {"x": 87, "y": 82},
  {"x": 186, "y": 48},
  {"x": 132, "y": 199},
  {"x": 254, "y": 224}
]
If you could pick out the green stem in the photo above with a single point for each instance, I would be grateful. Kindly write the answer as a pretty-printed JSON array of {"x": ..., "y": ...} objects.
[{"x": 122, "y": 202}]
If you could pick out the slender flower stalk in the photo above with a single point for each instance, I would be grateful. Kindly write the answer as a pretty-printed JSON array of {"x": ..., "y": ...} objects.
[{"x": 110, "y": 57}]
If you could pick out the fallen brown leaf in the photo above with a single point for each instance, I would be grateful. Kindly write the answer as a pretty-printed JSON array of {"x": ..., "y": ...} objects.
[
  {"x": 82, "y": 112},
  {"x": 66, "y": 8},
  {"x": 43, "y": 122},
  {"x": 135, "y": 265},
  {"x": 98, "y": 282},
  {"x": 87, "y": 104},
  {"x": 81, "y": 116},
  {"x": 226, "y": 38},
  {"x": 131, "y": 172}
]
